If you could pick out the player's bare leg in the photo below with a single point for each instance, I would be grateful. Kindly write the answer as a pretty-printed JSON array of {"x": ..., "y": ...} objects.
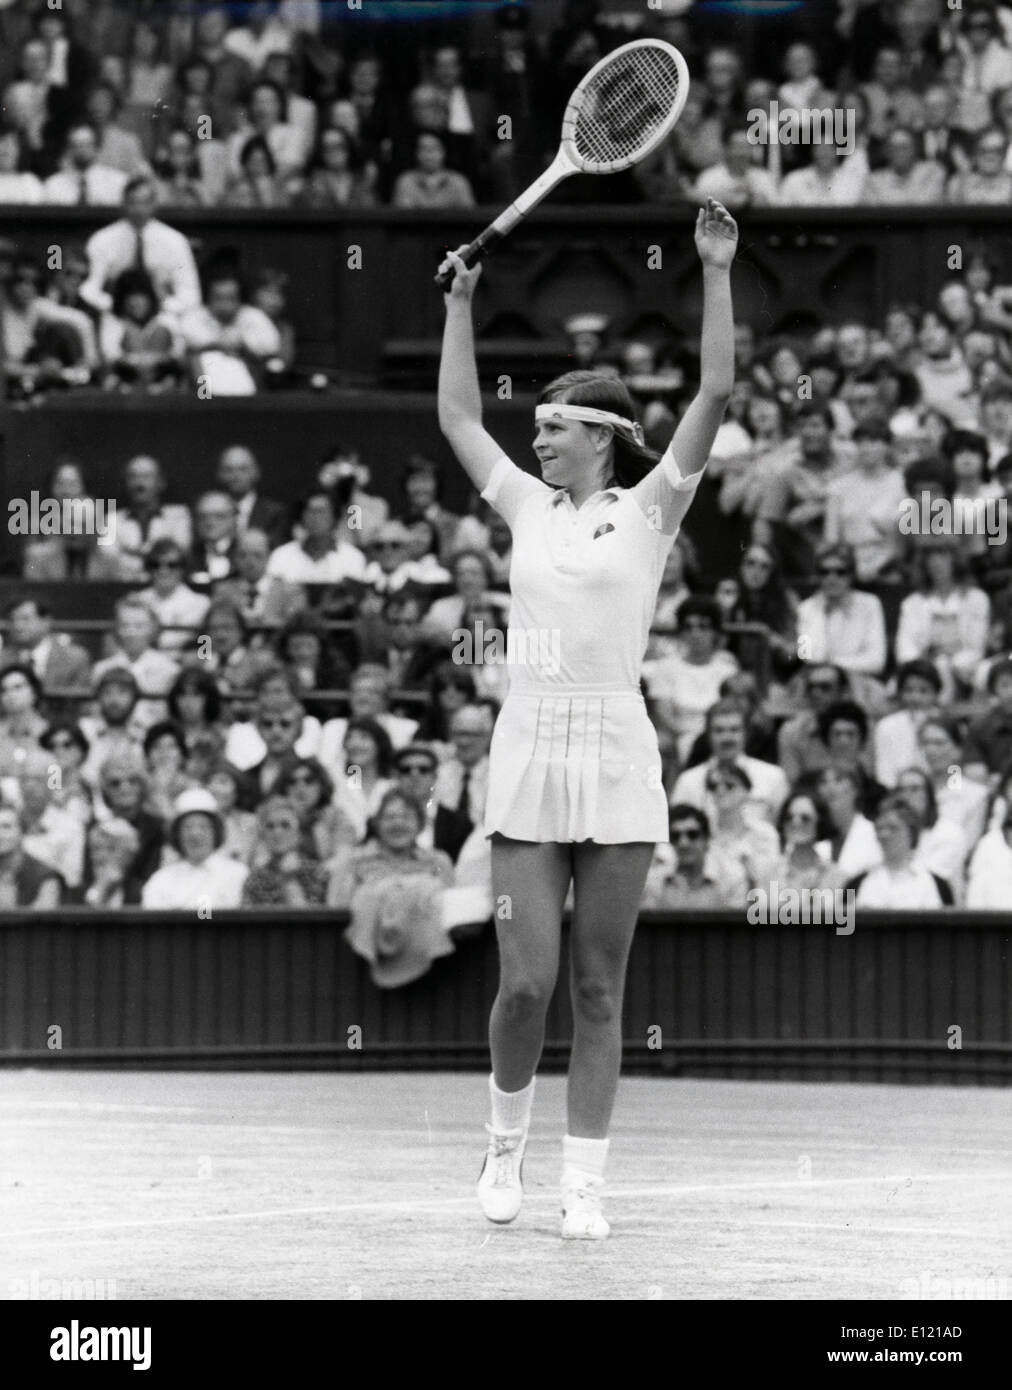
[
  {"x": 609, "y": 881},
  {"x": 529, "y": 884}
]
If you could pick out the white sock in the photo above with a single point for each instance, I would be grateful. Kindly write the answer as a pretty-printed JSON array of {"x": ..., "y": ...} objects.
[
  {"x": 587, "y": 1156},
  {"x": 511, "y": 1109}
]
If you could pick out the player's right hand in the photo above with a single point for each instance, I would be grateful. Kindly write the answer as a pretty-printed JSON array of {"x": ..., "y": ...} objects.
[{"x": 464, "y": 280}]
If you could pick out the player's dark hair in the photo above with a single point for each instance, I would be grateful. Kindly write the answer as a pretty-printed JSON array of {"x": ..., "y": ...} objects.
[{"x": 630, "y": 461}]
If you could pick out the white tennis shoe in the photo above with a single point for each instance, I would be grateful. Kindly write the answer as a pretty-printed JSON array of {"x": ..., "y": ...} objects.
[
  {"x": 500, "y": 1186},
  {"x": 582, "y": 1218}
]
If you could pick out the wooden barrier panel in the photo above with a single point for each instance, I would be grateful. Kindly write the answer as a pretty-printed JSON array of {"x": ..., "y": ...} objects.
[
  {"x": 796, "y": 267},
  {"x": 907, "y": 997}
]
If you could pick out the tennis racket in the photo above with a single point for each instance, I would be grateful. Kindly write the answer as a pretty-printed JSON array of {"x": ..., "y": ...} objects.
[{"x": 619, "y": 113}]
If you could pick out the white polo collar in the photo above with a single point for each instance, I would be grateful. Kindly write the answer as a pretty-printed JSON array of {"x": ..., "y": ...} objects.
[{"x": 563, "y": 493}]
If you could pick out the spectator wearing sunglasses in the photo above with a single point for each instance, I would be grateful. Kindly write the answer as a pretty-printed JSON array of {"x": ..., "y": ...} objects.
[
  {"x": 804, "y": 826},
  {"x": 741, "y": 835},
  {"x": 988, "y": 182},
  {"x": 800, "y": 748},
  {"x": 69, "y": 749},
  {"x": 415, "y": 769},
  {"x": 839, "y": 623},
  {"x": 324, "y": 827},
  {"x": 123, "y": 783},
  {"x": 278, "y": 721},
  {"x": 726, "y": 727},
  {"x": 685, "y": 872},
  {"x": 177, "y": 607},
  {"x": 285, "y": 874}
]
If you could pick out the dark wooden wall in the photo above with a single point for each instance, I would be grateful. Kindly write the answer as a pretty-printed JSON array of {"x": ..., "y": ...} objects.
[{"x": 729, "y": 999}]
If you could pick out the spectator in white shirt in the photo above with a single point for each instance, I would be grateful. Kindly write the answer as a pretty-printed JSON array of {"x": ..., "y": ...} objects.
[
  {"x": 261, "y": 34},
  {"x": 987, "y": 61},
  {"x": 905, "y": 178},
  {"x": 990, "y": 871},
  {"x": 918, "y": 686},
  {"x": 947, "y": 619},
  {"x": 135, "y": 633},
  {"x": 863, "y": 506},
  {"x": 146, "y": 518},
  {"x": 82, "y": 179},
  {"x": 959, "y": 798},
  {"x": 941, "y": 845},
  {"x": 139, "y": 241},
  {"x": 832, "y": 179},
  {"x": 202, "y": 879},
  {"x": 279, "y": 68},
  {"x": 369, "y": 690},
  {"x": 266, "y": 117},
  {"x": 391, "y": 566},
  {"x": 738, "y": 181},
  {"x": 15, "y": 186},
  {"x": 118, "y": 148},
  {"x": 179, "y": 610},
  {"x": 26, "y": 101},
  {"x": 841, "y": 624},
  {"x": 852, "y": 846},
  {"x": 727, "y": 729},
  {"x": 320, "y": 556},
  {"x": 897, "y": 882},
  {"x": 230, "y": 341},
  {"x": 684, "y": 684},
  {"x": 942, "y": 374},
  {"x": 52, "y": 835}
]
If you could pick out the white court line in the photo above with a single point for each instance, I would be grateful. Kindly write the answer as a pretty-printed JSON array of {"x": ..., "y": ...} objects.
[
  {"x": 447, "y": 1203},
  {"x": 98, "y": 1106}
]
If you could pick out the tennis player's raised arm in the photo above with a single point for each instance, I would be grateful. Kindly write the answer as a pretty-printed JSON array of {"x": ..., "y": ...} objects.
[
  {"x": 668, "y": 489},
  {"x": 459, "y": 392},
  {"x": 716, "y": 241}
]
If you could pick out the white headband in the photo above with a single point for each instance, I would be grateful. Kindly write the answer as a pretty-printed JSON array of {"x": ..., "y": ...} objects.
[{"x": 590, "y": 416}]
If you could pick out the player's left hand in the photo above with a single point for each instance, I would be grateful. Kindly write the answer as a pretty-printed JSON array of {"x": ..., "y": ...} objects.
[{"x": 716, "y": 235}]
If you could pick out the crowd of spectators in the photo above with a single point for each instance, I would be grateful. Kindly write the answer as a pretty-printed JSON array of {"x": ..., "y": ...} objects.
[
  {"x": 270, "y": 105},
  {"x": 286, "y": 714},
  {"x": 322, "y": 677}
]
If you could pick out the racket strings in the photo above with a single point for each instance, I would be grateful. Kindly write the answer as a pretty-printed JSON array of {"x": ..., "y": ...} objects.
[{"x": 624, "y": 105}]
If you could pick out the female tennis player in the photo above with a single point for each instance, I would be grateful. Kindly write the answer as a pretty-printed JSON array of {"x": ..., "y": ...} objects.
[{"x": 575, "y": 792}]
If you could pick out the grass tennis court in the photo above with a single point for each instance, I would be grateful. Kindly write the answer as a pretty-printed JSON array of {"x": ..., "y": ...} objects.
[{"x": 323, "y": 1186}]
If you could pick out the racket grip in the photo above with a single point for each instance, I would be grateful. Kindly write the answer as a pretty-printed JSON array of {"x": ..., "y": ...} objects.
[{"x": 481, "y": 246}]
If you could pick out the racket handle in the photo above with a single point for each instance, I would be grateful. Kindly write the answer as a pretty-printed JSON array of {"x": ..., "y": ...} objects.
[{"x": 481, "y": 246}]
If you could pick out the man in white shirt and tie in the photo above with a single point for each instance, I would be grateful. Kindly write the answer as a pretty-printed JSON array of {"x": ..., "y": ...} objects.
[
  {"x": 82, "y": 180},
  {"x": 462, "y": 781},
  {"x": 139, "y": 241}
]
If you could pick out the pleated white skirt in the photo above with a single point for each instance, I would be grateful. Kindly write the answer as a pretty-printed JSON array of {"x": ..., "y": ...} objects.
[{"x": 577, "y": 766}]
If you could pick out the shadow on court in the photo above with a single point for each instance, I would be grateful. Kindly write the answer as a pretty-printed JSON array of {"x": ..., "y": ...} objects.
[{"x": 305, "y": 1186}]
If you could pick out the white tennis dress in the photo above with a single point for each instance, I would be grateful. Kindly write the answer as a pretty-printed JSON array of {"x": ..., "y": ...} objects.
[{"x": 574, "y": 755}]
